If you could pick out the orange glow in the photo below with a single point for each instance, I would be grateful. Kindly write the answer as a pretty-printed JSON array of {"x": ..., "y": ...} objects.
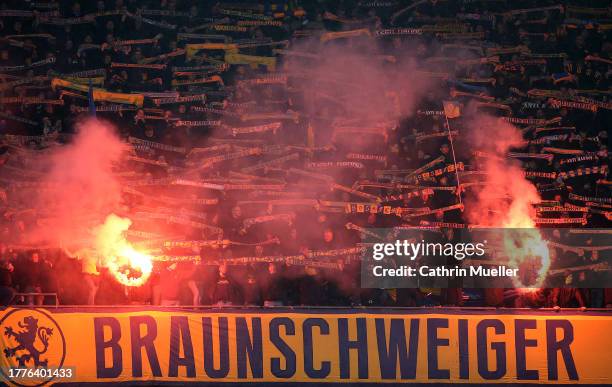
[
  {"x": 527, "y": 290},
  {"x": 524, "y": 246},
  {"x": 527, "y": 251},
  {"x": 129, "y": 266}
]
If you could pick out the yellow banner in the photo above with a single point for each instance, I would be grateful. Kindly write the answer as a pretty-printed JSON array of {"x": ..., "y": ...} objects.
[
  {"x": 192, "y": 49},
  {"x": 400, "y": 346},
  {"x": 233, "y": 57},
  {"x": 98, "y": 81},
  {"x": 326, "y": 37},
  {"x": 100, "y": 94}
]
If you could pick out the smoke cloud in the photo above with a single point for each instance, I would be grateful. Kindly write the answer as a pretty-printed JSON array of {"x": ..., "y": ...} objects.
[
  {"x": 355, "y": 83},
  {"x": 506, "y": 198},
  {"x": 506, "y": 201},
  {"x": 80, "y": 189}
]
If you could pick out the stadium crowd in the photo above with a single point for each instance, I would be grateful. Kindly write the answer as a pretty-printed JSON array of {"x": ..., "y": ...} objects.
[{"x": 207, "y": 92}]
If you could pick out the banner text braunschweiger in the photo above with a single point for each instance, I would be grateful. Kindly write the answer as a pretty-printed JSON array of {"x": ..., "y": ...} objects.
[{"x": 331, "y": 347}]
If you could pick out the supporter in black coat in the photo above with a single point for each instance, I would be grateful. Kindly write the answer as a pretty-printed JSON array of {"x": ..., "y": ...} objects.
[{"x": 225, "y": 288}]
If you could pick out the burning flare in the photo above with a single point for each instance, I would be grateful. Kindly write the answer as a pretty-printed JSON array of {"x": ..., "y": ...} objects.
[
  {"x": 527, "y": 251},
  {"x": 129, "y": 266},
  {"x": 506, "y": 201},
  {"x": 522, "y": 242}
]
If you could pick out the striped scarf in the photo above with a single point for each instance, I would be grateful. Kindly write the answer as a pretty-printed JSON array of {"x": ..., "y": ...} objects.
[{"x": 156, "y": 145}]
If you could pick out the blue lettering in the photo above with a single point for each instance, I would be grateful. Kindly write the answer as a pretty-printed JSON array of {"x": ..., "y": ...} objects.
[
  {"x": 521, "y": 343},
  {"x": 552, "y": 346},
  {"x": 209, "y": 366},
  {"x": 433, "y": 342},
  {"x": 285, "y": 350},
  {"x": 498, "y": 347},
  {"x": 180, "y": 335},
  {"x": 102, "y": 371},
  {"x": 247, "y": 347},
  {"x": 388, "y": 356},
  {"x": 322, "y": 372}
]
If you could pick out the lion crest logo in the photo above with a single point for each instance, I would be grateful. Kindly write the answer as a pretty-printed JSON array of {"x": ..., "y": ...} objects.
[
  {"x": 26, "y": 339},
  {"x": 30, "y": 338}
]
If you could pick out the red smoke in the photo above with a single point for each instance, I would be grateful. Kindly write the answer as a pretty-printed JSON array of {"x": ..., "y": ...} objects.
[
  {"x": 354, "y": 80},
  {"x": 82, "y": 189},
  {"x": 506, "y": 199}
]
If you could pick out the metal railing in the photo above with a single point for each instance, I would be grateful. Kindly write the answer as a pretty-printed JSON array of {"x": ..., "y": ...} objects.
[
  {"x": 357, "y": 309},
  {"x": 35, "y": 294}
]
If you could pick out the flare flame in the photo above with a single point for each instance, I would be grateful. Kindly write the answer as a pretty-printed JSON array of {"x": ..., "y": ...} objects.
[
  {"x": 506, "y": 201},
  {"x": 129, "y": 266}
]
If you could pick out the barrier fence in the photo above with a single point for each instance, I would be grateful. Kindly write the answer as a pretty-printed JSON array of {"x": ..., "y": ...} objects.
[
  {"x": 41, "y": 295},
  {"x": 248, "y": 345}
]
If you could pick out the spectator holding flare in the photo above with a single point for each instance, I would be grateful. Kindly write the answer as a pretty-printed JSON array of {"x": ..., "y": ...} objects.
[{"x": 90, "y": 263}]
